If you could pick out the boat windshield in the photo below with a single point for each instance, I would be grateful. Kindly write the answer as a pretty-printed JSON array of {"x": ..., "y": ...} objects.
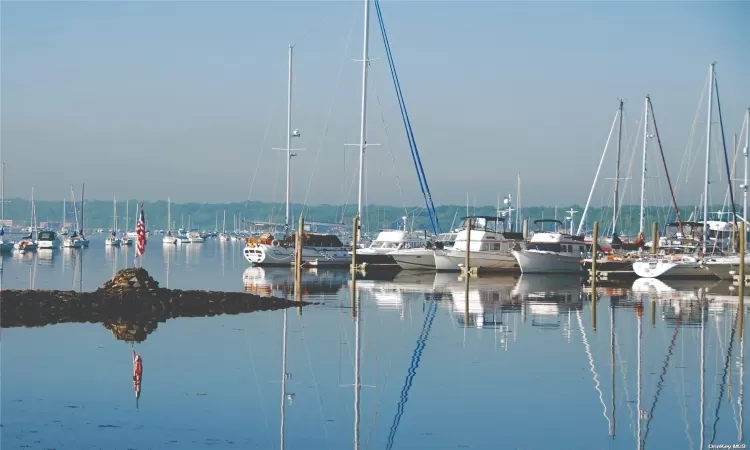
[{"x": 46, "y": 236}]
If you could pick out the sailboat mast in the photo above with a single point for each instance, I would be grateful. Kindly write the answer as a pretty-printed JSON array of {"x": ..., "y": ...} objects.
[
  {"x": 641, "y": 223},
  {"x": 169, "y": 214},
  {"x": 617, "y": 176},
  {"x": 708, "y": 155},
  {"x": 2, "y": 188},
  {"x": 518, "y": 201},
  {"x": 363, "y": 113},
  {"x": 744, "y": 186},
  {"x": 83, "y": 186},
  {"x": 288, "y": 139}
]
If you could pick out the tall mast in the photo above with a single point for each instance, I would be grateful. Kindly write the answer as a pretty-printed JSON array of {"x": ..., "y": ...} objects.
[
  {"x": 617, "y": 176},
  {"x": 744, "y": 186},
  {"x": 83, "y": 186},
  {"x": 288, "y": 139},
  {"x": 169, "y": 214},
  {"x": 363, "y": 113},
  {"x": 2, "y": 191},
  {"x": 641, "y": 223},
  {"x": 518, "y": 201},
  {"x": 708, "y": 154}
]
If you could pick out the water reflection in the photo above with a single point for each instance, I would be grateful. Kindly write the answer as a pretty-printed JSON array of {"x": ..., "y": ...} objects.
[{"x": 665, "y": 369}]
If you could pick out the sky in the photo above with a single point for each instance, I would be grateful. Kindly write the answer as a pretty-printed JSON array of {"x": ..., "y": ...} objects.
[{"x": 187, "y": 99}]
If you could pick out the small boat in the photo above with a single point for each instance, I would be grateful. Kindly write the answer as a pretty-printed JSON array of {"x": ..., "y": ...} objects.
[
  {"x": 169, "y": 238},
  {"x": 194, "y": 237},
  {"x": 47, "y": 240},
  {"x": 25, "y": 245},
  {"x": 113, "y": 240}
]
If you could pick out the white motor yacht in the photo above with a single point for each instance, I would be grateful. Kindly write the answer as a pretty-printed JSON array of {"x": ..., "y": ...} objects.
[
  {"x": 489, "y": 249},
  {"x": 423, "y": 258},
  {"x": 47, "y": 240},
  {"x": 552, "y": 252}
]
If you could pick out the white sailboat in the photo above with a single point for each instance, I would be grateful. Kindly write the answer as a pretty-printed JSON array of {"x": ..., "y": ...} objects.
[
  {"x": 113, "y": 240},
  {"x": 317, "y": 250},
  {"x": 224, "y": 236},
  {"x": 28, "y": 243},
  {"x": 693, "y": 266},
  {"x": 82, "y": 234},
  {"x": 126, "y": 239},
  {"x": 169, "y": 238},
  {"x": 72, "y": 240}
]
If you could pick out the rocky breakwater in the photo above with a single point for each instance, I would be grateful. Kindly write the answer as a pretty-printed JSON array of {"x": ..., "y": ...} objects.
[{"x": 131, "y": 297}]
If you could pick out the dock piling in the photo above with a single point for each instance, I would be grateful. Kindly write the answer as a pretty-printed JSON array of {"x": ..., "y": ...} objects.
[{"x": 655, "y": 238}]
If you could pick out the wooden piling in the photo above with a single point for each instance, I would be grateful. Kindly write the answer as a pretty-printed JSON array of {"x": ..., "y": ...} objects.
[
  {"x": 525, "y": 229},
  {"x": 655, "y": 238},
  {"x": 467, "y": 259},
  {"x": 594, "y": 255}
]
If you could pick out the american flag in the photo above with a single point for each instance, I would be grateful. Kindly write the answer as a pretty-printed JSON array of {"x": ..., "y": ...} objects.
[{"x": 140, "y": 229}]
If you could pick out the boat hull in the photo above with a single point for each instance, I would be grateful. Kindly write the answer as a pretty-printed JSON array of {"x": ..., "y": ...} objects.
[
  {"x": 673, "y": 269},
  {"x": 375, "y": 260},
  {"x": 532, "y": 261},
  {"x": 416, "y": 259},
  {"x": 270, "y": 255},
  {"x": 453, "y": 260},
  {"x": 48, "y": 245}
]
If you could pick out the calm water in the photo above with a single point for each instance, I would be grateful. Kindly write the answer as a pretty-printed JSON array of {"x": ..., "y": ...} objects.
[{"x": 517, "y": 366}]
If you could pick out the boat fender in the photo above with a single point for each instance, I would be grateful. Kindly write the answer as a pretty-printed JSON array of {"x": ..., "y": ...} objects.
[{"x": 275, "y": 243}]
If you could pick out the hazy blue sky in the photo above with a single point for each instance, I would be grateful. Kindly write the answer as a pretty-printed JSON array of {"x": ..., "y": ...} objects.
[{"x": 156, "y": 99}]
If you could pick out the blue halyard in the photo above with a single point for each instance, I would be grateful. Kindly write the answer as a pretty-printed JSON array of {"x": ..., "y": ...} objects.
[{"x": 407, "y": 125}]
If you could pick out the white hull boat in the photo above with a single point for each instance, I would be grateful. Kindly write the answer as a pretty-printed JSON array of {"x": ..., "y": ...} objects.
[
  {"x": 453, "y": 260},
  {"x": 536, "y": 261},
  {"x": 414, "y": 258},
  {"x": 682, "y": 267},
  {"x": 112, "y": 242},
  {"x": 47, "y": 240},
  {"x": 72, "y": 242},
  {"x": 270, "y": 255},
  {"x": 25, "y": 245}
]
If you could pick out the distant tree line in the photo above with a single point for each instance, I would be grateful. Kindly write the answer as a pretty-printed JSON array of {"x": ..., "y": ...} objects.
[{"x": 99, "y": 214}]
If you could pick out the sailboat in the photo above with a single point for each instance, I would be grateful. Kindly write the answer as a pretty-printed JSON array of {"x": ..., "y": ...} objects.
[
  {"x": 169, "y": 238},
  {"x": 28, "y": 243},
  {"x": 689, "y": 265},
  {"x": 317, "y": 250},
  {"x": 5, "y": 246},
  {"x": 81, "y": 234},
  {"x": 126, "y": 239},
  {"x": 113, "y": 240},
  {"x": 72, "y": 240},
  {"x": 224, "y": 236}
]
